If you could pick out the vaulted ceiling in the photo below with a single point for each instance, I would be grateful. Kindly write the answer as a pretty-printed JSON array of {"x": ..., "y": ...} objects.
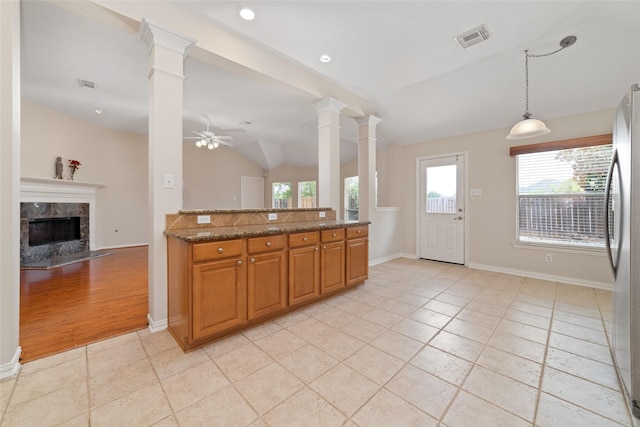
[{"x": 399, "y": 57}]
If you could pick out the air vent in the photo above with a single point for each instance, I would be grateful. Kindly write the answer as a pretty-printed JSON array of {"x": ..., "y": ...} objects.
[
  {"x": 86, "y": 84},
  {"x": 473, "y": 37}
]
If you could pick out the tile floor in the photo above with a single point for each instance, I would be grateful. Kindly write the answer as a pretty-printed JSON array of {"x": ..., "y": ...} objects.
[{"x": 419, "y": 344}]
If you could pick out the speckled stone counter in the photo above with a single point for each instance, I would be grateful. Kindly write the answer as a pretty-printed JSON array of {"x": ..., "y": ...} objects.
[{"x": 203, "y": 234}]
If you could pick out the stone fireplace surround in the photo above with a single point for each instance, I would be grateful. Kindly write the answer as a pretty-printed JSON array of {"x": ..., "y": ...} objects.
[{"x": 44, "y": 197}]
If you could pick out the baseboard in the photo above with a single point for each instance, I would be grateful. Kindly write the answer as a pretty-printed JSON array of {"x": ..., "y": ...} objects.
[
  {"x": 132, "y": 245},
  {"x": 12, "y": 368},
  {"x": 157, "y": 325},
  {"x": 542, "y": 276}
]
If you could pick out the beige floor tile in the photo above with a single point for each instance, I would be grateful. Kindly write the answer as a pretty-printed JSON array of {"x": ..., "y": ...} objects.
[
  {"x": 316, "y": 308},
  {"x": 510, "y": 365},
  {"x": 458, "y": 346},
  {"x": 6, "y": 390},
  {"x": 582, "y": 367},
  {"x": 508, "y": 394},
  {"x": 111, "y": 385},
  {"x": 441, "y": 364},
  {"x": 374, "y": 364},
  {"x": 519, "y": 346},
  {"x": 383, "y": 318},
  {"x": 399, "y": 308},
  {"x": 451, "y": 297},
  {"x": 268, "y": 387},
  {"x": 580, "y": 332},
  {"x": 580, "y": 347},
  {"x": 578, "y": 309},
  {"x": 242, "y": 361},
  {"x": 373, "y": 299},
  {"x": 113, "y": 342},
  {"x": 468, "y": 330},
  {"x": 591, "y": 396},
  {"x": 280, "y": 344},
  {"x": 55, "y": 360},
  {"x": 344, "y": 388},
  {"x": 397, "y": 345},
  {"x": 338, "y": 344},
  {"x": 291, "y": 319},
  {"x": 261, "y": 331},
  {"x": 363, "y": 330},
  {"x": 528, "y": 318},
  {"x": 532, "y": 308},
  {"x": 535, "y": 300},
  {"x": 412, "y": 299},
  {"x": 81, "y": 420},
  {"x": 226, "y": 345},
  {"x": 416, "y": 330},
  {"x": 167, "y": 422},
  {"x": 468, "y": 410},
  {"x": 308, "y": 363},
  {"x": 158, "y": 342},
  {"x": 553, "y": 412},
  {"x": 143, "y": 407},
  {"x": 478, "y": 318},
  {"x": 355, "y": 307},
  {"x": 224, "y": 408},
  {"x": 411, "y": 385},
  {"x": 521, "y": 330},
  {"x": 53, "y": 408},
  {"x": 335, "y": 317},
  {"x": 311, "y": 329},
  {"x": 193, "y": 384},
  {"x": 487, "y": 308},
  {"x": 174, "y": 360},
  {"x": 45, "y": 381},
  {"x": 431, "y": 318},
  {"x": 423, "y": 292},
  {"x": 442, "y": 307},
  {"x": 304, "y": 408},
  {"x": 110, "y": 359},
  {"x": 385, "y": 409}
]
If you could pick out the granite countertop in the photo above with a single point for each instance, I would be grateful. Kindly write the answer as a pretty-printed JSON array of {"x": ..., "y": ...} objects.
[
  {"x": 204, "y": 234},
  {"x": 243, "y": 211}
]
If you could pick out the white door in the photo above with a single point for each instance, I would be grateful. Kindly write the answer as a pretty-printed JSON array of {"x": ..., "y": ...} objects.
[
  {"x": 251, "y": 192},
  {"x": 442, "y": 209}
]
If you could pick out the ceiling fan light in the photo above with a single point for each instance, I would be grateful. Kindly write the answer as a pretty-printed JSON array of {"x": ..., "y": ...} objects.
[
  {"x": 210, "y": 146},
  {"x": 198, "y": 143},
  {"x": 216, "y": 144},
  {"x": 247, "y": 14},
  {"x": 528, "y": 128}
]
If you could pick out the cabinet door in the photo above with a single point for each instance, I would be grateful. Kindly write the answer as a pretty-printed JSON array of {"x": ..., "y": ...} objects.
[
  {"x": 304, "y": 274},
  {"x": 357, "y": 261},
  {"x": 219, "y": 296},
  {"x": 332, "y": 260},
  {"x": 266, "y": 284}
]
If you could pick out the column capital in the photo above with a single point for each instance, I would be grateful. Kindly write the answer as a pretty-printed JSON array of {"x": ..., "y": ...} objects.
[
  {"x": 369, "y": 120},
  {"x": 151, "y": 33},
  {"x": 329, "y": 104}
]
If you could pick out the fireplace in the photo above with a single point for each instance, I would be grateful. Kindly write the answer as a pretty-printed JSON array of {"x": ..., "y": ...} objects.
[{"x": 45, "y": 231}]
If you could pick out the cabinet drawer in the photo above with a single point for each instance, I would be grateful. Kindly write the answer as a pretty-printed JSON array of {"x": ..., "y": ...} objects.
[
  {"x": 303, "y": 239},
  {"x": 357, "y": 232},
  {"x": 263, "y": 244},
  {"x": 216, "y": 250},
  {"x": 332, "y": 235}
]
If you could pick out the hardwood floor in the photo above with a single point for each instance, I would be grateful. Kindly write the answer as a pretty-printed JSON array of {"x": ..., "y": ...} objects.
[{"x": 84, "y": 302}]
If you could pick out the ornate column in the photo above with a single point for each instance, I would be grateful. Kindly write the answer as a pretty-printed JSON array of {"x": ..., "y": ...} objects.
[
  {"x": 366, "y": 166},
  {"x": 329, "y": 153},
  {"x": 167, "y": 50}
]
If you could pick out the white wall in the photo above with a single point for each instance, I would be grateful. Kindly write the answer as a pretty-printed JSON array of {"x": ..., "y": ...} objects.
[
  {"x": 116, "y": 159},
  {"x": 492, "y": 215}
]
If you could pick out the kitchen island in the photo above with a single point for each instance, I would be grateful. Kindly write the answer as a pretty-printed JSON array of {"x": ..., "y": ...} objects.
[{"x": 232, "y": 269}]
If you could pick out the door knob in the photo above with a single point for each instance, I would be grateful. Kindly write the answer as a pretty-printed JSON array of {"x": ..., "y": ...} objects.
[{"x": 458, "y": 217}]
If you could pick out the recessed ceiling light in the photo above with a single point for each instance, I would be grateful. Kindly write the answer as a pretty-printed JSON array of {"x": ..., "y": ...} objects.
[
  {"x": 98, "y": 110},
  {"x": 247, "y": 14},
  {"x": 325, "y": 58}
]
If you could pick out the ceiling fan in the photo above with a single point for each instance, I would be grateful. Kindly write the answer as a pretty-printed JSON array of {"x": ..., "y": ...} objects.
[{"x": 208, "y": 138}]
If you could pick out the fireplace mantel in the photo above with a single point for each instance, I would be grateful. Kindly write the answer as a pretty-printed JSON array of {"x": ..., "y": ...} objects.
[{"x": 47, "y": 190}]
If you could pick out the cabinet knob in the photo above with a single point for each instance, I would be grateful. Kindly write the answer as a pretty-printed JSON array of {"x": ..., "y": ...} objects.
[
  {"x": 220, "y": 250},
  {"x": 317, "y": 248},
  {"x": 239, "y": 262},
  {"x": 253, "y": 260},
  {"x": 358, "y": 231},
  {"x": 304, "y": 239},
  {"x": 324, "y": 247},
  {"x": 268, "y": 244},
  {"x": 333, "y": 234}
]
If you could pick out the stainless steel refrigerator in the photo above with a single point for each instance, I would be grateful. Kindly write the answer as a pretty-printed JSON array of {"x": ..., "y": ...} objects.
[{"x": 622, "y": 200}]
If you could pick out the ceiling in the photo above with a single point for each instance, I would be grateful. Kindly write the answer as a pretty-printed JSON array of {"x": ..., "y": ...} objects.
[{"x": 400, "y": 56}]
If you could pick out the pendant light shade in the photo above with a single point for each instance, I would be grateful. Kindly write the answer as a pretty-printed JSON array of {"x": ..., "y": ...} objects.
[{"x": 528, "y": 128}]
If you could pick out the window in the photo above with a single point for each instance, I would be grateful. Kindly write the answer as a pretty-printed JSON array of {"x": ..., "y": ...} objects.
[
  {"x": 441, "y": 189},
  {"x": 281, "y": 195},
  {"x": 561, "y": 195},
  {"x": 351, "y": 198},
  {"x": 307, "y": 194}
]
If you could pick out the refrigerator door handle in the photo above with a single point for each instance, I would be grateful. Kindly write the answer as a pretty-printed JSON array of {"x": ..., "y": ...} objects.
[{"x": 607, "y": 200}]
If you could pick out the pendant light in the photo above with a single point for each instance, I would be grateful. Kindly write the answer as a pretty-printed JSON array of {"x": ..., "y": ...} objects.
[{"x": 529, "y": 128}]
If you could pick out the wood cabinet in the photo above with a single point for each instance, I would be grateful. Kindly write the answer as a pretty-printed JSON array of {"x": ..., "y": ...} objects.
[
  {"x": 357, "y": 254},
  {"x": 332, "y": 260},
  {"x": 304, "y": 267},
  {"x": 266, "y": 276}
]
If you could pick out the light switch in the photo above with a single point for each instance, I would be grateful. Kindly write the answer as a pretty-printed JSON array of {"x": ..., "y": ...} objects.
[
  {"x": 476, "y": 192},
  {"x": 322, "y": 214},
  {"x": 169, "y": 181},
  {"x": 204, "y": 219},
  {"x": 273, "y": 216}
]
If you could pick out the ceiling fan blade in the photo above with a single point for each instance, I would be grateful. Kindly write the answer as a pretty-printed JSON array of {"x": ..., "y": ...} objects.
[
  {"x": 228, "y": 144},
  {"x": 223, "y": 137},
  {"x": 191, "y": 137},
  {"x": 202, "y": 135}
]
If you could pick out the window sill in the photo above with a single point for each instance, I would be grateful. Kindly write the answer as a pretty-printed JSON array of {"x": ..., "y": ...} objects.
[{"x": 583, "y": 250}]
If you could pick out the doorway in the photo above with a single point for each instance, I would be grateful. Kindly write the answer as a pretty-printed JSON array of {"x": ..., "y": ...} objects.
[
  {"x": 251, "y": 192},
  {"x": 441, "y": 208}
]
